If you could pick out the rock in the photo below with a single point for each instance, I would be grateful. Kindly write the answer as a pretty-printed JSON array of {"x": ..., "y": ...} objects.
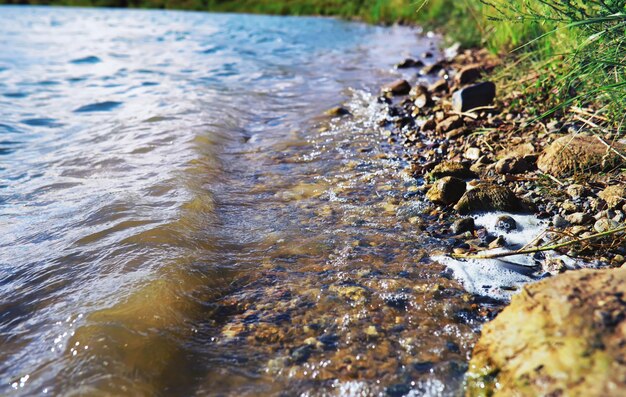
[
  {"x": 499, "y": 242},
  {"x": 577, "y": 191},
  {"x": 429, "y": 125},
  {"x": 559, "y": 222},
  {"x": 572, "y": 154},
  {"x": 301, "y": 354},
  {"x": 432, "y": 69},
  {"x": 491, "y": 197},
  {"x": 447, "y": 190},
  {"x": 457, "y": 133},
  {"x": 554, "y": 266},
  {"x": 614, "y": 196},
  {"x": 512, "y": 165},
  {"x": 463, "y": 225},
  {"x": 561, "y": 336},
  {"x": 398, "y": 87},
  {"x": 450, "y": 168},
  {"x": 474, "y": 96},
  {"x": 423, "y": 100},
  {"x": 410, "y": 63},
  {"x": 337, "y": 111},
  {"x": 604, "y": 225},
  {"x": 472, "y": 153},
  {"x": 506, "y": 223},
  {"x": 468, "y": 74},
  {"x": 440, "y": 85},
  {"x": 579, "y": 218},
  {"x": 449, "y": 124}
]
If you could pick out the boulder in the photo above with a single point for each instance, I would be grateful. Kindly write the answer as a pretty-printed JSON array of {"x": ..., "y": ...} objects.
[
  {"x": 474, "y": 96},
  {"x": 491, "y": 197},
  {"x": 573, "y": 154},
  {"x": 398, "y": 87},
  {"x": 446, "y": 191},
  {"x": 561, "y": 336}
]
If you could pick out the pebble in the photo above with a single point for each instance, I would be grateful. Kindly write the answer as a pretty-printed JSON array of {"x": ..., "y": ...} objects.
[
  {"x": 463, "y": 225},
  {"x": 579, "y": 218},
  {"x": 604, "y": 225},
  {"x": 506, "y": 223}
]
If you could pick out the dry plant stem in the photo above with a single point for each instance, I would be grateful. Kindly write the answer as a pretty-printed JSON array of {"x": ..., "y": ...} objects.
[{"x": 540, "y": 249}]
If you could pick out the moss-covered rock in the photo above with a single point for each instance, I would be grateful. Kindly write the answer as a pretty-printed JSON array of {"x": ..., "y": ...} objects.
[
  {"x": 491, "y": 197},
  {"x": 561, "y": 336}
]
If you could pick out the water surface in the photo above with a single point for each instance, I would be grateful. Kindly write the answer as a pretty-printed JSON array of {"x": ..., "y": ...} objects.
[{"x": 179, "y": 218}]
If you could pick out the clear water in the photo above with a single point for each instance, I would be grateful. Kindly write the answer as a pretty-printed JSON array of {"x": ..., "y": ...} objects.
[{"x": 178, "y": 217}]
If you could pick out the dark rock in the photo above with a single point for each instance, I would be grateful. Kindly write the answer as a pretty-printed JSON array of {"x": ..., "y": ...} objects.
[
  {"x": 398, "y": 87},
  {"x": 447, "y": 190},
  {"x": 337, "y": 111},
  {"x": 398, "y": 390},
  {"x": 474, "y": 96},
  {"x": 410, "y": 63},
  {"x": 468, "y": 74},
  {"x": 500, "y": 241},
  {"x": 301, "y": 354},
  {"x": 463, "y": 225},
  {"x": 429, "y": 125},
  {"x": 491, "y": 197},
  {"x": 506, "y": 223}
]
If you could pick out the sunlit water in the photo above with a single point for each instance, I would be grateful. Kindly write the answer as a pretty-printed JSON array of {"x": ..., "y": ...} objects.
[{"x": 179, "y": 218}]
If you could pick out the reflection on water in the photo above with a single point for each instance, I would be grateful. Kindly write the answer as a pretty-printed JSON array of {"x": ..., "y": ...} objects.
[{"x": 178, "y": 219}]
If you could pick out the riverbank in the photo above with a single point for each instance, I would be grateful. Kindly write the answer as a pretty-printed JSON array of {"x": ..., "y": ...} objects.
[{"x": 483, "y": 161}]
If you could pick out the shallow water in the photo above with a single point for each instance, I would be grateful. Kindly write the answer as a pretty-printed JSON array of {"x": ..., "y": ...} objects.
[{"x": 179, "y": 217}]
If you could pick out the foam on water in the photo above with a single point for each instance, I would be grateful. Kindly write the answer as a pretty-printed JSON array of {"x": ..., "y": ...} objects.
[{"x": 501, "y": 278}]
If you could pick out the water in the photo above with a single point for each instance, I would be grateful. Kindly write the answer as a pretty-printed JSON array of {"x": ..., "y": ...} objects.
[{"x": 180, "y": 218}]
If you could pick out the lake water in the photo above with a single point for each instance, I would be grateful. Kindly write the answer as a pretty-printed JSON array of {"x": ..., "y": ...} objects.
[{"x": 179, "y": 217}]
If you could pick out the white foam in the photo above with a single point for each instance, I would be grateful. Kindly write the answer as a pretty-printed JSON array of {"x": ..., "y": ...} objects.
[{"x": 501, "y": 278}]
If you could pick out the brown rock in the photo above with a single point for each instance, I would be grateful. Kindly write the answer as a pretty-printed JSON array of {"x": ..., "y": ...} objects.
[
  {"x": 440, "y": 85},
  {"x": 469, "y": 74},
  {"x": 450, "y": 168},
  {"x": 614, "y": 196},
  {"x": 447, "y": 190},
  {"x": 449, "y": 124},
  {"x": 398, "y": 87},
  {"x": 429, "y": 125},
  {"x": 561, "y": 336},
  {"x": 578, "y": 153},
  {"x": 511, "y": 165},
  {"x": 491, "y": 197}
]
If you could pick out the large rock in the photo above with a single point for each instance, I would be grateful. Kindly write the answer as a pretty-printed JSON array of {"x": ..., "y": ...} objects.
[
  {"x": 560, "y": 337},
  {"x": 474, "y": 96},
  {"x": 572, "y": 154},
  {"x": 447, "y": 190},
  {"x": 491, "y": 197}
]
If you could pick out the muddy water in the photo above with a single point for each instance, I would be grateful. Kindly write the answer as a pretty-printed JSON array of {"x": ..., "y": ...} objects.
[{"x": 179, "y": 218}]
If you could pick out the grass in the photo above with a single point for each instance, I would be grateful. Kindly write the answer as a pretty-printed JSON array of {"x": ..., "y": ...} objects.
[{"x": 576, "y": 47}]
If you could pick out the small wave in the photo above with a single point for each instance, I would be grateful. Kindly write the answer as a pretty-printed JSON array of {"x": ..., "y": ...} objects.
[
  {"x": 86, "y": 60},
  {"x": 41, "y": 122},
  {"x": 15, "y": 94},
  {"x": 98, "y": 107}
]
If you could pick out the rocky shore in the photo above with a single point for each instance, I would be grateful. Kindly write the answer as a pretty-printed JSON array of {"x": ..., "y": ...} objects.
[{"x": 472, "y": 148}]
